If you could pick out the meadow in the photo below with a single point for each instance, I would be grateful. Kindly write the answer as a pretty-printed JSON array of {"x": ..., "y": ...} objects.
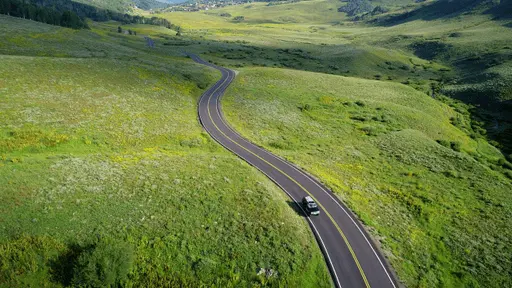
[
  {"x": 423, "y": 171},
  {"x": 108, "y": 178},
  {"x": 436, "y": 199},
  {"x": 103, "y": 159},
  {"x": 466, "y": 54}
]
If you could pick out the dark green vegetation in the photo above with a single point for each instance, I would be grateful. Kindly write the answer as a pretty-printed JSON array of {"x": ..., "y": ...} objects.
[
  {"x": 72, "y": 14},
  {"x": 46, "y": 15},
  {"x": 107, "y": 177},
  {"x": 356, "y": 7},
  {"x": 124, "y": 6}
]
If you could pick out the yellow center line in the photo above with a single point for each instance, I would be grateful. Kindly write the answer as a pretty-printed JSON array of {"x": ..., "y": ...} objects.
[{"x": 293, "y": 180}]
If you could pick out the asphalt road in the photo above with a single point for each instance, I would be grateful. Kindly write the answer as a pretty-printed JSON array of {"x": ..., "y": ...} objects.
[{"x": 350, "y": 254}]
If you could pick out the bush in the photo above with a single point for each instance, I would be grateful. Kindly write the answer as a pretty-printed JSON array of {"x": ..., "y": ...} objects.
[
  {"x": 370, "y": 130},
  {"x": 305, "y": 107},
  {"x": 456, "y": 146},
  {"x": 359, "y": 118},
  {"x": 505, "y": 164},
  {"x": 444, "y": 143},
  {"x": 105, "y": 264},
  {"x": 451, "y": 174}
]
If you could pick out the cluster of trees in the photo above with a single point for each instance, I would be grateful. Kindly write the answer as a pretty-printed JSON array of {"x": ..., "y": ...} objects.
[
  {"x": 98, "y": 14},
  {"x": 72, "y": 14},
  {"x": 376, "y": 11},
  {"x": 361, "y": 9},
  {"x": 120, "y": 30},
  {"x": 22, "y": 9},
  {"x": 150, "y": 4},
  {"x": 356, "y": 7}
]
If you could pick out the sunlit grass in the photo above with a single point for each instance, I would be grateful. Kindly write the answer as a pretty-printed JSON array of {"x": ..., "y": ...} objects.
[
  {"x": 99, "y": 139},
  {"x": 376, "y": 145}
]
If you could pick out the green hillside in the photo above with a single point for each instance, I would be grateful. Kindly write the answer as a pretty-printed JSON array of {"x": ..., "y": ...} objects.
[
  {"x": 397, "y": 148},
  {"x": 102, "y": 160},
  {"x": 404, "y": 112},
  {"x": 431, "y": 194},
  {"x": 463, "y": 51}
]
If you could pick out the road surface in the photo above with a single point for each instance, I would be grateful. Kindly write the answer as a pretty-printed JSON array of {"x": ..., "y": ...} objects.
[{"x": 351, "y": 256}]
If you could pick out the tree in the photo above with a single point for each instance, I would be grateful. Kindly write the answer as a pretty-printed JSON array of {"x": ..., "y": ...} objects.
[{"x": 119, "y": 29}]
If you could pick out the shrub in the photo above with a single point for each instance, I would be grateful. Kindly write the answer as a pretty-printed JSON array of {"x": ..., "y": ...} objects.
[
  {"x": 105, "y": 264},
  {"x": 192, "y": 142},
  {"x": 456, "y": 146},
  {"x": 359, "y": 118},
  {"x": 370, "y": 130},
  {"x": 305, "y": 107},
  {"x": 444, "y": 143},
  {"x": 505, "y": 164},
  {"x": 451, "y": 174}
]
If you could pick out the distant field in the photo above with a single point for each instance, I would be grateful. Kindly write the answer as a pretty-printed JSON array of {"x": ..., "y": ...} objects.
[
  {"x": 466, "y": 54},
  {"x": 102, "y": 159},
  {"x": 315, "y": 38},
  {"x": 432, "y": 195}
]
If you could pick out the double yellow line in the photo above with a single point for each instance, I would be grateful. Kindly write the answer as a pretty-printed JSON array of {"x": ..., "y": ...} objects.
[{"x": 293, "y": 180}]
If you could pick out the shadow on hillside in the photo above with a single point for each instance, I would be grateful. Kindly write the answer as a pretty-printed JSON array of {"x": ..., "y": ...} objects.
[
  {"x": 62, "y": 267},
  {"x": 502, "y": 11},
  {"x": 446, "y": 9}
]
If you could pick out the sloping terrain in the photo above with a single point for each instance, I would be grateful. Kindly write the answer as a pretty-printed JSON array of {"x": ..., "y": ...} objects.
[
  {"x": 104, "y": 165},
  {"x": 429, "y": 192}
]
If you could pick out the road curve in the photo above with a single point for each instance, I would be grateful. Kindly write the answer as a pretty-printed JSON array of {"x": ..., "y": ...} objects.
[{"x": 351, "y": 256}]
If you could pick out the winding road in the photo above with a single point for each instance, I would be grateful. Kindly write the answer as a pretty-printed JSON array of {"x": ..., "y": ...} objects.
[{"x": 351, "y": 256}]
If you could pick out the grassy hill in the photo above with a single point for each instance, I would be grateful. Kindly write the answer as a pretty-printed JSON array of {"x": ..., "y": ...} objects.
[
  {"x": 102, "y": 160},
  {"x": 431, "y": 194},
  {"x": 473, "y": 37},
  {"x": 102, "y": 156},
  {"x": 417, "y": 167},
  {"x": 464, "y": 50}
]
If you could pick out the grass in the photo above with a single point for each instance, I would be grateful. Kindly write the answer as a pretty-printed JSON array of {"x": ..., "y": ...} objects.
[
  {"x": 441, "y": 213},
  {"x": 103, "y": 161},
  {"x": 91, "y": 118},
  {"x": 466, "y": 53}
]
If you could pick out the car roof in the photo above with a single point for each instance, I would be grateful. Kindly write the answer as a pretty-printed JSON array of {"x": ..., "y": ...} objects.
[{"x": 308, "y": 199}]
